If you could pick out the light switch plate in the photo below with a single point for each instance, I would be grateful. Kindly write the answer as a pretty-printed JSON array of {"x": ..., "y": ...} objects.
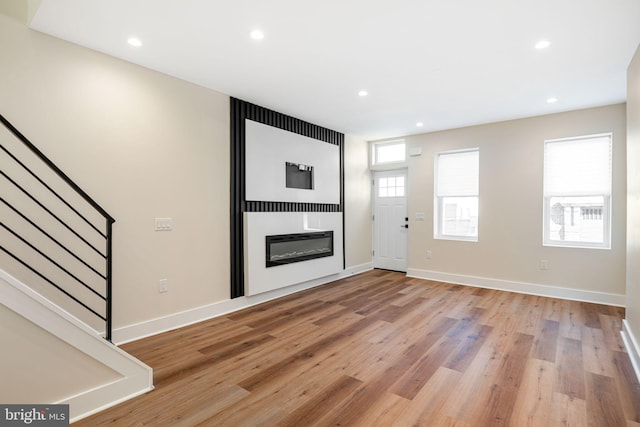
[{"x": 164, "y": 224}]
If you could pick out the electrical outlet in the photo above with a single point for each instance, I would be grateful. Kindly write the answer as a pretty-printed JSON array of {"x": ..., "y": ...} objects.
[
  {"x": 163, "y": 286},
  {"x": 429, "y": 254},
  {"x": 544, "y": 264}
]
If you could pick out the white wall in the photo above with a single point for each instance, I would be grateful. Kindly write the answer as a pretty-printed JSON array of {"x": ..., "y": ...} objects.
[
  {"x": 632, "y": 321},
  {"x": 143, "y": 145},
  {"x": 510, "y": 226},
  {"x": 357, "y": 210}
]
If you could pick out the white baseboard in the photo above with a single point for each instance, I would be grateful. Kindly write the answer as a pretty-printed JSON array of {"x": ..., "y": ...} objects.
[
  {"x": 521, "y": 287},
  {"x": 631, "y": 344},
  {"x": 177, "y": 320},
  {"x": 100, "y": 398}
]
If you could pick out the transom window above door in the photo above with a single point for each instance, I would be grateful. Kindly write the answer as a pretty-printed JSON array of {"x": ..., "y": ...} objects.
[{"x": 390, "y": 152}]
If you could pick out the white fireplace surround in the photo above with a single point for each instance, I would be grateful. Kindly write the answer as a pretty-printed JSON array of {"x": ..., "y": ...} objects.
[{"x": 257, "y": 225}]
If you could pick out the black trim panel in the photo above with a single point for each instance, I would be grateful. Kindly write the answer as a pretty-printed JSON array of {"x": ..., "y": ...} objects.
[{"x": 241, "y": 110}]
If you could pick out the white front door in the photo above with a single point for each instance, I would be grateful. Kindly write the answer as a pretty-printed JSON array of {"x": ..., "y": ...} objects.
[{"x": 390, "y": 220}]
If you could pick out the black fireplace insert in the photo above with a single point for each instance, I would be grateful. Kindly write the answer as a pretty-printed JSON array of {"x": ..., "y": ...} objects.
[{"x": 290, "y": 248}]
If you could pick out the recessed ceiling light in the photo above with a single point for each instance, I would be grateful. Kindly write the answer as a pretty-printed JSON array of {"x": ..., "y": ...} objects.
[
  {"x": 257, "y": 35},
  {"x": 363, "y": 93},
  {"x": 552, "y": 100},
  {"x": 543, "y": 44},
  {"x": 134, "y": 41},
  {"x": 419, "y": 124}
]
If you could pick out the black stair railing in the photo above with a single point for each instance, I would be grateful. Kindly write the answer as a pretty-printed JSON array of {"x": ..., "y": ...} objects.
[{"x": 53, "y": 230}]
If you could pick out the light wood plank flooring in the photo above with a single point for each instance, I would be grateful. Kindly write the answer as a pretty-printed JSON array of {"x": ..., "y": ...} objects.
[{"x": 381, "y": 349}]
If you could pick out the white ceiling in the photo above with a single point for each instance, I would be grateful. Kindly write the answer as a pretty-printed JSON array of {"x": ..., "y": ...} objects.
[{"x": 446, "y": 63}]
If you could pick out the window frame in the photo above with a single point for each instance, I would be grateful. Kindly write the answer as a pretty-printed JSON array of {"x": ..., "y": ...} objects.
[
  {"x": 438, "y": 205},
  {"x": 606, "y": 198},
  {"x": 395, "y": 187},
  {"x": 374, "y": 153}
]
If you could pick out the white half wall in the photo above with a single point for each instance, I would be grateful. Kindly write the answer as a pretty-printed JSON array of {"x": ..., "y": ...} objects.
[{"x": 101, "y": 375}]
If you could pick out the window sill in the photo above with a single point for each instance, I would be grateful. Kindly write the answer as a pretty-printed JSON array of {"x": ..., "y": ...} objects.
[
  {"x": 576, "y": 245},
  {"x": 457, "y": 238}
]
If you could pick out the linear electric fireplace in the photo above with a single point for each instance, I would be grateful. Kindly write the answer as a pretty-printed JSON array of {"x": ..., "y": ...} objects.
[{"x": 290, "y": 248}]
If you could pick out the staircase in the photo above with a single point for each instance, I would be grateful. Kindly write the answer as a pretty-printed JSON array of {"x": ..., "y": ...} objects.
[{"x": 56, "y": 274}]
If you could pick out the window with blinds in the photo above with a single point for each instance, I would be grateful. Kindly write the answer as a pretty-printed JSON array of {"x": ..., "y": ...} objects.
[
  {"x": 456, "y": 195},
  {"x": 577, "y": 192}
]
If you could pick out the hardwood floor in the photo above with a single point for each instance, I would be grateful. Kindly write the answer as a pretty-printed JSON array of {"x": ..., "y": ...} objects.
[{"x": 381, "y": 349}]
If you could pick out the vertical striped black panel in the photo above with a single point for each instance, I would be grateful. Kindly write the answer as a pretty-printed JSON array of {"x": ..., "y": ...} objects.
[
  {"x": 241, "y": 110},
  {"x": 237, "y": 197}
]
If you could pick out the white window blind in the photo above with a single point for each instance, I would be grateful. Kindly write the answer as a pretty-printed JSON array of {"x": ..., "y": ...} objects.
[
  {"x": 578, "y": 167},
  {"x": 577, "y": 192},
  {"x": 458, "y": 174},
  {"x": 456, "y": 195}
]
